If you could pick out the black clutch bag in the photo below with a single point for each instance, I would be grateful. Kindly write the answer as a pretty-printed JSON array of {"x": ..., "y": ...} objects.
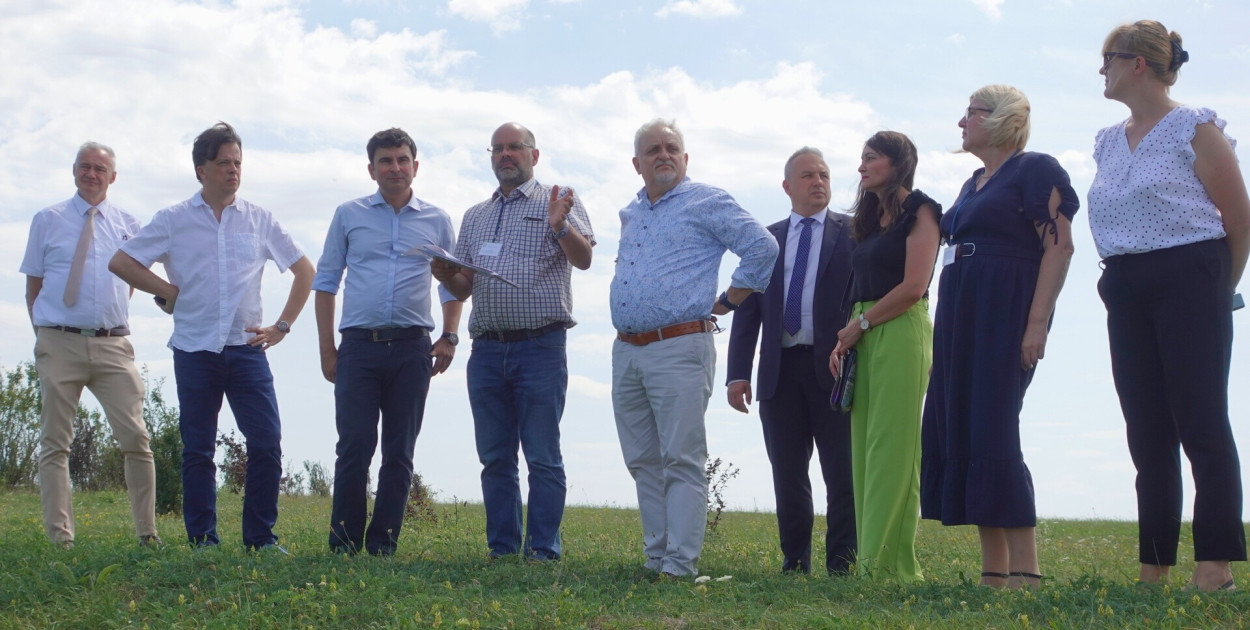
[{"x": 844, "y": 388}]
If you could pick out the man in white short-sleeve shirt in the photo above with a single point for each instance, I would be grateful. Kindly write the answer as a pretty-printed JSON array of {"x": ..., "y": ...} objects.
[
  {"x": 79, "y": 311},
  {"x": 214, "y": 247}
]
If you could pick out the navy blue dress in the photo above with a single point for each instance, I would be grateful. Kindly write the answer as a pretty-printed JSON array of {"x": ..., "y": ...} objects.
[{"x": 972, "y": 467}]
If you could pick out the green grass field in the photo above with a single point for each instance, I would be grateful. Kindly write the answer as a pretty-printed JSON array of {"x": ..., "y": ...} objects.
[{"x": 440, "y": 578}]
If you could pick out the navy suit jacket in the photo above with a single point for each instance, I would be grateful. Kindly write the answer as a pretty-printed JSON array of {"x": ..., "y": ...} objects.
[{"x": 829, "y": 312}]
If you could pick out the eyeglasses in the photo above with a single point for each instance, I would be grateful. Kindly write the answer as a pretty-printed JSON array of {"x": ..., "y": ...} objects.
[
  {"x": 968, "y": 113},
  {"x": 515, "y": 147},
  {"x": 1108, "y": 56}
]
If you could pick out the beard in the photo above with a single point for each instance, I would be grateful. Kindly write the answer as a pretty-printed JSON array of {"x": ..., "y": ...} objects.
[
  {"x": 512, "y": 175},
  {"x": 665, "y": 177}
]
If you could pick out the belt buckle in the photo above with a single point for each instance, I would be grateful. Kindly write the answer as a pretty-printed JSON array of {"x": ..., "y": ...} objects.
[
  {"x": 373, "y": 335},
  {"x": 966, "y": 249},
  {"x": 87, "y": 332}
]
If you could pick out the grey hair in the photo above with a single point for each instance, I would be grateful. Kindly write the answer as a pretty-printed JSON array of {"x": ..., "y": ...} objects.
[
  {"x": 91, "y": 145},
  {"x": 801, "y": 152},
  {"x": 656, "y": 123}
]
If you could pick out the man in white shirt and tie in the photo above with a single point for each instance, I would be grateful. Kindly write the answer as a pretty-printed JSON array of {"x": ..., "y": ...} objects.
[{"x": 79, "y": 311}]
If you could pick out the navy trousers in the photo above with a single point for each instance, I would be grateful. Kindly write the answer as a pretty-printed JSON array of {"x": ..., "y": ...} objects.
[
  {"x": 1170, "y": 324},
  {"x": 391, "y": 377}
]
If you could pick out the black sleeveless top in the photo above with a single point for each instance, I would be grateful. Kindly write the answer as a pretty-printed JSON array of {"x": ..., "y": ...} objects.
[{"x": 879, "y": 261}]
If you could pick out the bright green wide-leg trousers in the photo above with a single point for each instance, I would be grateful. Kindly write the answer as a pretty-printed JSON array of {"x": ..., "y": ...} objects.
[{"x": 890, "y": 383}]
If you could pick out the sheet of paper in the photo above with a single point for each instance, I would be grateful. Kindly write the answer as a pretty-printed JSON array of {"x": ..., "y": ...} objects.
[{"x": 434, "y": 251}]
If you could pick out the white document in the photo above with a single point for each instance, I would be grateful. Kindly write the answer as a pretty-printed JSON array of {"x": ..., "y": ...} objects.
[{"x": 434, "y": 251}]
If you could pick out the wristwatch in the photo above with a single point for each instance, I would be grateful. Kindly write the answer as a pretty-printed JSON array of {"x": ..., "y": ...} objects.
[
  {"x": 724, "y": 301},
  {"x": 282, "y": 327},
  {"x": 452, "y": 338},
  {"x": 863, "y": 323},
  {"x": 563, "y": 231}
]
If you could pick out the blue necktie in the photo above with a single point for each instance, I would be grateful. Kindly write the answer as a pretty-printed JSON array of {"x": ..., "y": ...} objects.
[{"x": 793, "y": 317}]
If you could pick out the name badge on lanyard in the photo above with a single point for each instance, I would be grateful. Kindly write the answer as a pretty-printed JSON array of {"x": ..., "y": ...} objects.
[
  {"x": 948, "y": 255},
  {"x": 490, "y": 249}
]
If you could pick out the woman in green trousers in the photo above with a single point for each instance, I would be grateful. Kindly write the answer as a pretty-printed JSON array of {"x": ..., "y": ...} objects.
[{"x": 896, "y": 234}]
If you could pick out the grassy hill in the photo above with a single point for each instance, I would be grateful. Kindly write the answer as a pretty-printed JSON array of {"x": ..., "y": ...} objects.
[{"x": 441, "y": 578}]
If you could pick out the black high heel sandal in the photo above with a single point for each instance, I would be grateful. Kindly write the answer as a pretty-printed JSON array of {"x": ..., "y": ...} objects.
[{"x": 1026, "y": 574}]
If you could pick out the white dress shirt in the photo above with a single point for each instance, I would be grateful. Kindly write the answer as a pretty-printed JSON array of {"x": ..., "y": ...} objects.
[
  {"x": 216, "y": 266},
  {"x": 103, "y": 298},
  {"x": 806, "y": 335}
]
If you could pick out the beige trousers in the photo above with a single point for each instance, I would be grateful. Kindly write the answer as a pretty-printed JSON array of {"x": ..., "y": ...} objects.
[{"x": 67, "y": 362}]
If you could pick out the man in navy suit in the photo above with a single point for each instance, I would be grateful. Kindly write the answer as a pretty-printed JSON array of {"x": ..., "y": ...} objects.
[{"x": 801, "y": 313}]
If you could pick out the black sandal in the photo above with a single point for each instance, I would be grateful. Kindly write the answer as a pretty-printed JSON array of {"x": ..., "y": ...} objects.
[{"x": 1026, "y": 574}]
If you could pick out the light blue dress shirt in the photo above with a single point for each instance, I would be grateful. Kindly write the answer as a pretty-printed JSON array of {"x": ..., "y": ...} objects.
[
  {"x": 669, "y": 256},
  {"x": 384, "y": 287}
]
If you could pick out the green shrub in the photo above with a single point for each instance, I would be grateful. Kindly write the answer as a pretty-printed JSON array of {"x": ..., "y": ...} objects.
[
  {"x": 234, "y": 462},
  {"x": 319, "y": 480},
  {"x": 292, "y": 484},
  {"x": 95, "y": 461},
  {"x": 420, "y": 505},
  {"x": 19, "y": 426},
  {"x": 166, "y": 444}
]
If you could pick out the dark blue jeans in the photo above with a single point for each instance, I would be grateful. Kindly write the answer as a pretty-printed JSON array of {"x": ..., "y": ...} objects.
[
  {"x": 516, "y": 391},
  {"x": 241, "y": 373},
  {"x": 393, "y": 377}
]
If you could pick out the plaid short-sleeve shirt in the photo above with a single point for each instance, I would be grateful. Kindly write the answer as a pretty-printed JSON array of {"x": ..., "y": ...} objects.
[{"x": 528, "y": 254}]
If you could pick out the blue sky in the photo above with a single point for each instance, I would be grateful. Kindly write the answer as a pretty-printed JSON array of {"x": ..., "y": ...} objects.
[{"x": 306, "y": 83}]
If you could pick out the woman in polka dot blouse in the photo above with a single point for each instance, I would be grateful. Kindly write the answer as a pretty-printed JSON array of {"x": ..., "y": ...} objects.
[{"x": 1171, "y": 220}]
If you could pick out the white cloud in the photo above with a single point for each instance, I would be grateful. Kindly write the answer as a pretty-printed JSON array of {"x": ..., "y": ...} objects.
[
  {"x": 364, "y": 28},
  {"x": 700, "y": 8},
  {"x": 990, "y": 8},
  {"x": 502, "y": 15},
  {"x": 589, "y": 387},
  {"x": 957, "y": 39}
]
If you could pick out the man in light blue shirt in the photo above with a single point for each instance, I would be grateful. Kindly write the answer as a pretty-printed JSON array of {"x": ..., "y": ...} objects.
[
  {"x": 385, "y": 360},
  {"x": 663, "y": 296}
]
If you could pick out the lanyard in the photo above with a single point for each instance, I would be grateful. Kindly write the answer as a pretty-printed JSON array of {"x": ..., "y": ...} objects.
[
  {"x": 503, "y": 207},
  {"x": 972, "y": 190}
]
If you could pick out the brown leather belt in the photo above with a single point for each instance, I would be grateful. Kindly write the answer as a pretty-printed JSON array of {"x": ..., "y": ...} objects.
[
  {"x": 668, "y": 332},
  {"x": 120, "y": 331}
]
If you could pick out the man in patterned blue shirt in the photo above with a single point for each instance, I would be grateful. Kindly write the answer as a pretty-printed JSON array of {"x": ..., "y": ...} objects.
[
  {"x": 663, "y": 296},
  {"x": 532, "y": 235}
]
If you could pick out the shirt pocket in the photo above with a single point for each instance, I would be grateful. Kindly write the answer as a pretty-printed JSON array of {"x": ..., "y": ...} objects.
[
  {"x": 246, "y": 247},
  {"x": 532, "y": 237}
]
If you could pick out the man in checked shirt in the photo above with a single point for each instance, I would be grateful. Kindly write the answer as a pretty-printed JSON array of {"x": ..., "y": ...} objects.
[{"x": 532, "y": 235}]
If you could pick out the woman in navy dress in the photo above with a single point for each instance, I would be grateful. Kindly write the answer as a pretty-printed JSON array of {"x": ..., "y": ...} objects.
[{"x": 1009, "y": 240}]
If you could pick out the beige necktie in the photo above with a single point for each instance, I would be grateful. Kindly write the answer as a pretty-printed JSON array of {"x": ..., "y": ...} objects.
[{"x": 80, "y": 259}]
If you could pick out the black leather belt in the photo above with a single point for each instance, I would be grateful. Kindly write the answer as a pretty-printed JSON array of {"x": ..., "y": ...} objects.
[
  {"x": 120, "y": 331},
  {"x": 384, "y": 334},
  {"x": 510, "y": 336}
]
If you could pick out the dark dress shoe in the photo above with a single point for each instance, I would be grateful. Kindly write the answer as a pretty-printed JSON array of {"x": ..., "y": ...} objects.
[{"x": 793, "y": 565}]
